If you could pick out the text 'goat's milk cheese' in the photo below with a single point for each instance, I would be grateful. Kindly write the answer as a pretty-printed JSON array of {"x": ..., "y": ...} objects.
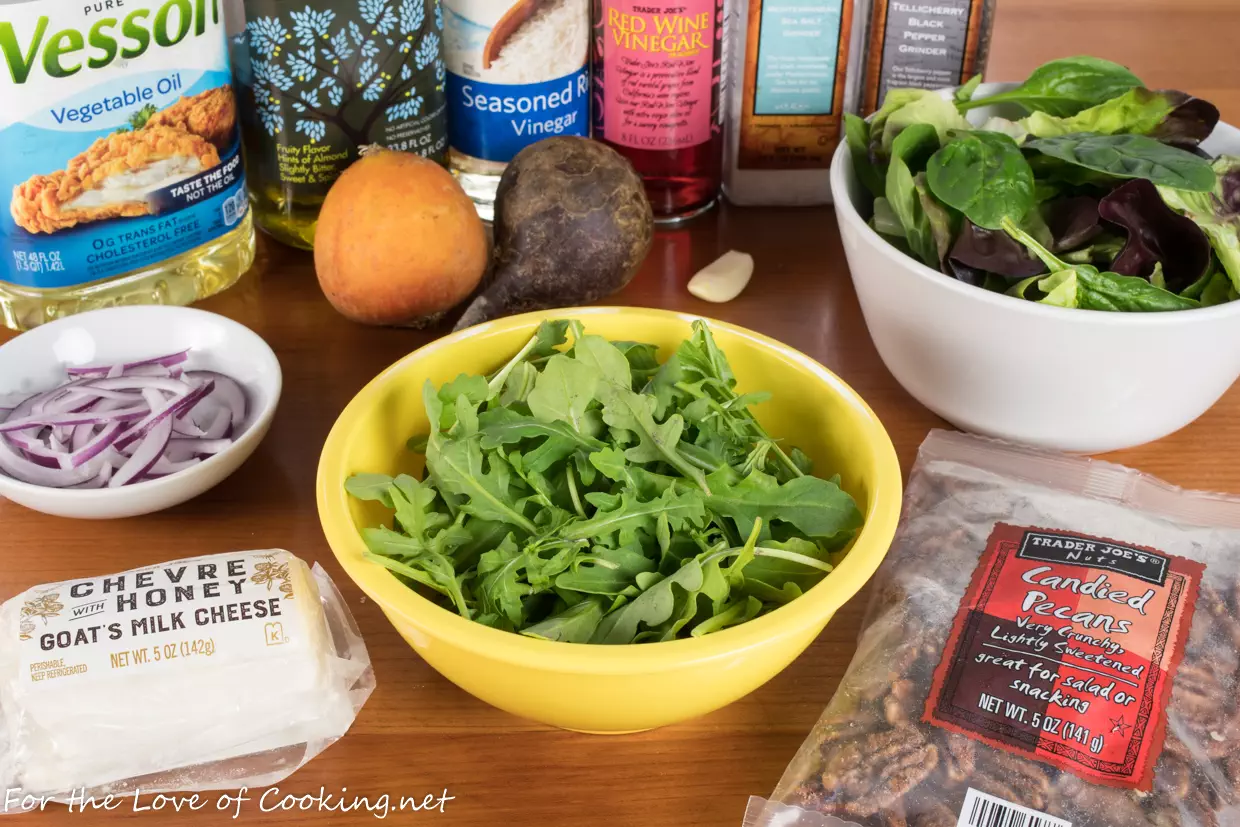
[
  {"x": 172, "y": 669},
  {"x": 516, "y": 74},
  {"x": 122, "y": 178}
]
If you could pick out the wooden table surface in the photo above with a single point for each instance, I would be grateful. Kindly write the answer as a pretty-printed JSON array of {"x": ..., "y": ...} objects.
[{"x": 421, "y": 734}]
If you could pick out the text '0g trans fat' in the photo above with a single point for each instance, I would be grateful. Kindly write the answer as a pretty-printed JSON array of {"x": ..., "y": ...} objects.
[
  {"x": 516, "y": 75},
  {"x": 122, "y": 165}
]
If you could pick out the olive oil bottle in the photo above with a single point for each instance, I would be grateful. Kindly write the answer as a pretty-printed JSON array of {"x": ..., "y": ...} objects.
[{"x": 318, "y": 82}]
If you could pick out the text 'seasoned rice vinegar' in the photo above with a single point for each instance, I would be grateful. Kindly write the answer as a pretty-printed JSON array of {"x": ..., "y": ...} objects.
[
  {"x": 518, "y": 72},
  {"x": 657, "y": 97}
]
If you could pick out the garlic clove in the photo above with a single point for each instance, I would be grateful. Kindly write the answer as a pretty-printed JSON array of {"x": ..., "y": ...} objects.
[{"x": 723, "y": 279}]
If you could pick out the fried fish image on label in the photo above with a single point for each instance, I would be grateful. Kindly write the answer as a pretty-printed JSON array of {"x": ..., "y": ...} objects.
[{"x": 118, "y": 130}]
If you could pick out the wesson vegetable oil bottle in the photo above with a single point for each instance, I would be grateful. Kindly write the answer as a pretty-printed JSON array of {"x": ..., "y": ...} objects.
[
  {"x": 318, "y": 80},
  {"x": 119, "y": 157}
]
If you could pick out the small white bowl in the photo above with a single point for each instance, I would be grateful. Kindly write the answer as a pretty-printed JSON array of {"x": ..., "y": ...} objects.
[
  {"x": 35, "y": 361},
  {"x": 1074, "y": 380}
]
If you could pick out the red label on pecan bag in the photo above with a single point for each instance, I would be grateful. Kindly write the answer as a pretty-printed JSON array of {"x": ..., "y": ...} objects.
[{"x": 1064, "y": 650}]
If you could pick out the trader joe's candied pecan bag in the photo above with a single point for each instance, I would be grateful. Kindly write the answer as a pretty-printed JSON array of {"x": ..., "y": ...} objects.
[{"x": 1052, "y": 641}]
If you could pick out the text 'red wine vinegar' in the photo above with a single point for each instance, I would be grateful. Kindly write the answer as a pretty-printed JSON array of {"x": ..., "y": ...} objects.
[{"x": 656, "y": 97}]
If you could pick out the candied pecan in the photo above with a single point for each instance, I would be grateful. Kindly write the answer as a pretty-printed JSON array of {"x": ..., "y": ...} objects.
[
  {"x": 959, "y": 756},
  {"x": 877, "y": 770}
]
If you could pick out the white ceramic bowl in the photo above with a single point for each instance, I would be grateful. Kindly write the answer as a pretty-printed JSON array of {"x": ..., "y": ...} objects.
[
  {"x": 36, "y": 361},
  {"x": 1074, "y": 380}
]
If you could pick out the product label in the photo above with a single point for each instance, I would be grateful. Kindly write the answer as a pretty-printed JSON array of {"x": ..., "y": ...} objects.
[
  {"x": 236, "y": 606},
  {"x": 924, "y": 45},
  {"x": 795, "y": 58},
  {"x": 516, "y": 74},
  {"x": 1064, "y": 650},
  {"x": 118, "y": 134},
  {"x": 660, "y": 81},
  {"x": 319, "y": 82}
]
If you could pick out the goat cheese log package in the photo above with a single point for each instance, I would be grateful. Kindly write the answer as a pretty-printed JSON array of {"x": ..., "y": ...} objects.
[
  {"x": 1053, "y": 641},
  {"x": 207, "y": 673}
]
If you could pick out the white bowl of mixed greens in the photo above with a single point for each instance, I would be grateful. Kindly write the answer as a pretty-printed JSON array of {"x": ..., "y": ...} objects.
[{"x": 1055, "y": 262}]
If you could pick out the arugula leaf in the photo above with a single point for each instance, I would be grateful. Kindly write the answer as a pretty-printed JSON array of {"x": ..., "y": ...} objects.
[
  {"x": 370, "y": 487},
  {"x": 744, "y": 609},
  {"x": 680, "y": 509},
  {"x": 407, "y": 558},
  {"x": 458, "y": 467},
  {"x": 412, "y": 500},
  {"x": 505, "y": 426},
  {"x": 606, "y": 571},
  {"x": 576, "y": 624},
  {"x": 652, "y": 608},
  {"x": 563, "y": 391},
  {"x": 814, "y": 506}
]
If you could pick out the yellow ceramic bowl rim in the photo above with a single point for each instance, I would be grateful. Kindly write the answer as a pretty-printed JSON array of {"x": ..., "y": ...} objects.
[{"x": 396, "y": 599}]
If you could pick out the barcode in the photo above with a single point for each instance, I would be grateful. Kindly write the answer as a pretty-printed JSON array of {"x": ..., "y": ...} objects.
[{"x": 982, "y": 810}]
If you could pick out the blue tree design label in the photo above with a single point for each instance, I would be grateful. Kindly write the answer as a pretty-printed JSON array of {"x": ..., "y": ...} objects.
[{"x": 328, "y": 78}]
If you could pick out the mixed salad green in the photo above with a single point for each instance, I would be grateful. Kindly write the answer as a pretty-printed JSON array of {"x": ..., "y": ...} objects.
[
  {"x": 1100, "y": 197},
  {"x": 588, "y": 493}
]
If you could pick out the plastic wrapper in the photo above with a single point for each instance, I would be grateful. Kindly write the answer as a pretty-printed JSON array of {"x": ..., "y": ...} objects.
[
  {"x": 1051, "y": 641},
  {"x": 208, "y": 673}
]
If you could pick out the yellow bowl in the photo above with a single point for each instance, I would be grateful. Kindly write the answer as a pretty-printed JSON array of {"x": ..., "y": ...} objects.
[{"x": 595, "y": 688}]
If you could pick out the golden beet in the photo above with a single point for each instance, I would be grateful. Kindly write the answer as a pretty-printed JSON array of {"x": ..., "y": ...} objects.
[{"x": 398, "y": 242}]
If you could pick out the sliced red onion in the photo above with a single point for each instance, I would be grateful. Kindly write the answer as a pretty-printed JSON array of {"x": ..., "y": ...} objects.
[
  {"x": 220, "y": 425},
  {"x": 173, "y": 408},
  {"x": 80, "y": 418},
  {"x": 145, "y": 455},
  {"x": 128, "y": 368},
  {"x": 97, "y": 481},
  {"x": 163, "y": 466},
  {"x": 227, "y": 392},
  {"x": 118, "y": 425},
  {"x": 23, "y": 469},
  {"x": 96, "y": 445},
  {"x": 180, "y": 449}
]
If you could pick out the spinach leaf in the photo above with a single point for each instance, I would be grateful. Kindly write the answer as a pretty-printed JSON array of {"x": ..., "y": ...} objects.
[
  {"x": 1130, "y": 156},
  {"x": 983, "y": 175},
  {"x": 1066, "y": 86}
]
